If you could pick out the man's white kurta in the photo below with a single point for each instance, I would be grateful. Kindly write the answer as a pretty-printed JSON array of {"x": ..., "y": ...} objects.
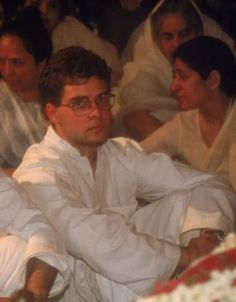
[{"x": 96, "y": 214}]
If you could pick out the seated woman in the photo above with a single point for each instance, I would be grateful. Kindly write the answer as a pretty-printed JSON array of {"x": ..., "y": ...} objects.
[
  {"x": 25, "y": 46},
  {"x": 66, "y": 30},
  {"x": 205, "y": 87},
  {"x": 144, "y": 96}
]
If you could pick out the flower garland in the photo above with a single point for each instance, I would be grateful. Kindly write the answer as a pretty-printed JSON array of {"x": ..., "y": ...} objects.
[{"x": 210, "y": 279}]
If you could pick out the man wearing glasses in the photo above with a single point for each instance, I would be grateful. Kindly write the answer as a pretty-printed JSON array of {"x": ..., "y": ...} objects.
[{"x": 93, "y": 189}]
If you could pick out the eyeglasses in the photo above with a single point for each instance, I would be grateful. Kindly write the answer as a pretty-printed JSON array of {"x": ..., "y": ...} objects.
[{"x": 82, "y": 105}]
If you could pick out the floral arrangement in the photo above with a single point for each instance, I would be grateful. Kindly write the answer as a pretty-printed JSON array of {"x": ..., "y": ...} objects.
[{"x": 210, "y": 279}]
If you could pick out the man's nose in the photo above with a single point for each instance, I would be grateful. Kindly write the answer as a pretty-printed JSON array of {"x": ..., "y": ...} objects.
[{"x": 94, "y": 110}]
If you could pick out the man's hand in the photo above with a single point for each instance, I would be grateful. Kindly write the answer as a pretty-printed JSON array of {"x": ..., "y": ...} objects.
[{"x": 198, "y": 247}]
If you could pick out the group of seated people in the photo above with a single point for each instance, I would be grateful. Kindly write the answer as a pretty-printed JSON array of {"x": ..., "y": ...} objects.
[{"x": 104, "y": 195}]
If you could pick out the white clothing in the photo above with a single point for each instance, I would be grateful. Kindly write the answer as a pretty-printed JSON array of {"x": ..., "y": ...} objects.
[
  {"x": 24, "y": 234},
  {"x": 96, "y": 214},
  {"x": 146, "y": 80},
  {"x": 22, "y": 124},
  {"x": 181, "y": 139},
  {"x": 72, "y": 32}
]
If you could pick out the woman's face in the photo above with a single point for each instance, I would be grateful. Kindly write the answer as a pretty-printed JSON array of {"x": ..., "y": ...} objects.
[
  {"x": 50, "y": 10},
  {"x": 18, "y": 67},
  {"x": 190, "y": 90},
  {"x": 173, "y": 31}
]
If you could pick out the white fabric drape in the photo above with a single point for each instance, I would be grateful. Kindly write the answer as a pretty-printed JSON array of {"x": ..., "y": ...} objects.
[
  {"x": 146, "y": 80},
  {"x": 25, "y": 233},
  {"x": 112, "y": 238}
]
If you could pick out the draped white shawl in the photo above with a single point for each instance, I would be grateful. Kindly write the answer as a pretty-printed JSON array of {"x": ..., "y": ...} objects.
[{"x": 146, "y": 80}]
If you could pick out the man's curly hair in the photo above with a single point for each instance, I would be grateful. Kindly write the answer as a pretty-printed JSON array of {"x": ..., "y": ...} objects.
[{"x": 71, "y": 65}]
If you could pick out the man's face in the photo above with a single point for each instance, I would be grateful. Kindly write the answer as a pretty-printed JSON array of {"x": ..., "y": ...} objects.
[
  {"x": 86, "y": 131},
  {"x": 18, "y": 67},
  {"x": 190, "y": 90},
  {"x": 173, "y": 31}
]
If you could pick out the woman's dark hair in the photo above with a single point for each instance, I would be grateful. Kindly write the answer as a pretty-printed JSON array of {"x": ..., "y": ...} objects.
[
  {"x": 29, "y": 28},
  {"x": 180, "y": 7},
  {"x": 64, "y": 7},
  {"x": 71, "y": 65},
  {"x": 205, "y": 54}
]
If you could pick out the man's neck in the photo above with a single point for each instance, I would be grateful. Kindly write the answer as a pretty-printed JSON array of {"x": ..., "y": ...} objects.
[{"x": 91, "y": 153}]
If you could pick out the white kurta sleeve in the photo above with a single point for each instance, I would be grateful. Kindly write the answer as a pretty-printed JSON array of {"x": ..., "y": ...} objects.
[
  {"x": 206, "y": 201},
  {"x": 19, "y": 217}
]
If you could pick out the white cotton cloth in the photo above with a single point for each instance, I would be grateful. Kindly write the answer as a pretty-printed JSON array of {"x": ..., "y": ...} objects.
[
  {"x": 181, "y": 138},
  {"x": 26, "y": 233},
  {"x": 146, "y": 80},
  {"x": 22, "y": 124},
  {"x": 117, "y": 243},
  {"x": 71, "y": 32}
]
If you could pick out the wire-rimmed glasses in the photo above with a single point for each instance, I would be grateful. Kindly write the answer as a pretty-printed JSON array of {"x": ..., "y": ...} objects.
[{"x": 82, "y": 105}]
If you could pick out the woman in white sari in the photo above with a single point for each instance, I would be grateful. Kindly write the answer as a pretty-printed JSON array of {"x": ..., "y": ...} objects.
[
  {"x": 144, "y": 97},
  {"x": 204, "y": 73},
  {"x": 25, "y": 46}
]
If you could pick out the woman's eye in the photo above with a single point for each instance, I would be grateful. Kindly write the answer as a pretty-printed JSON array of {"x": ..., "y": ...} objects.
[
  {"x": 186, "y": 33},
  {"x": 166, "y": 37}
]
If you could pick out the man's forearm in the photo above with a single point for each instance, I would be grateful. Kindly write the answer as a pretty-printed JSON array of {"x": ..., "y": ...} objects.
[{"x": 40, "y": 277}]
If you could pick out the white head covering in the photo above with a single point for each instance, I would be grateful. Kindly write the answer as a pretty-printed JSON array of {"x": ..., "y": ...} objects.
[{"x": 146, "y": 80}]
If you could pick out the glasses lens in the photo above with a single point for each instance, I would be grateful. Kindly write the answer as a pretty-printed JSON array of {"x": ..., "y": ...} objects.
[
  {"x": 105, "y": 101},
  {"x": 83, "y": 106}
]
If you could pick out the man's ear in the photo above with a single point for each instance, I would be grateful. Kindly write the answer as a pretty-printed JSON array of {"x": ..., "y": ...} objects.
[
  {"x": 50, "y": 111},
  {"x": 214, "y": 79}
]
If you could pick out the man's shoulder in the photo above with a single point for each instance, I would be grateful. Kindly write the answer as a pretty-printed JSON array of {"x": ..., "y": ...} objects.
[
  {"x": 44, "y": 154},
  {"x": 123, "y": 144},
  {"x": 40, "y": 164}
]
